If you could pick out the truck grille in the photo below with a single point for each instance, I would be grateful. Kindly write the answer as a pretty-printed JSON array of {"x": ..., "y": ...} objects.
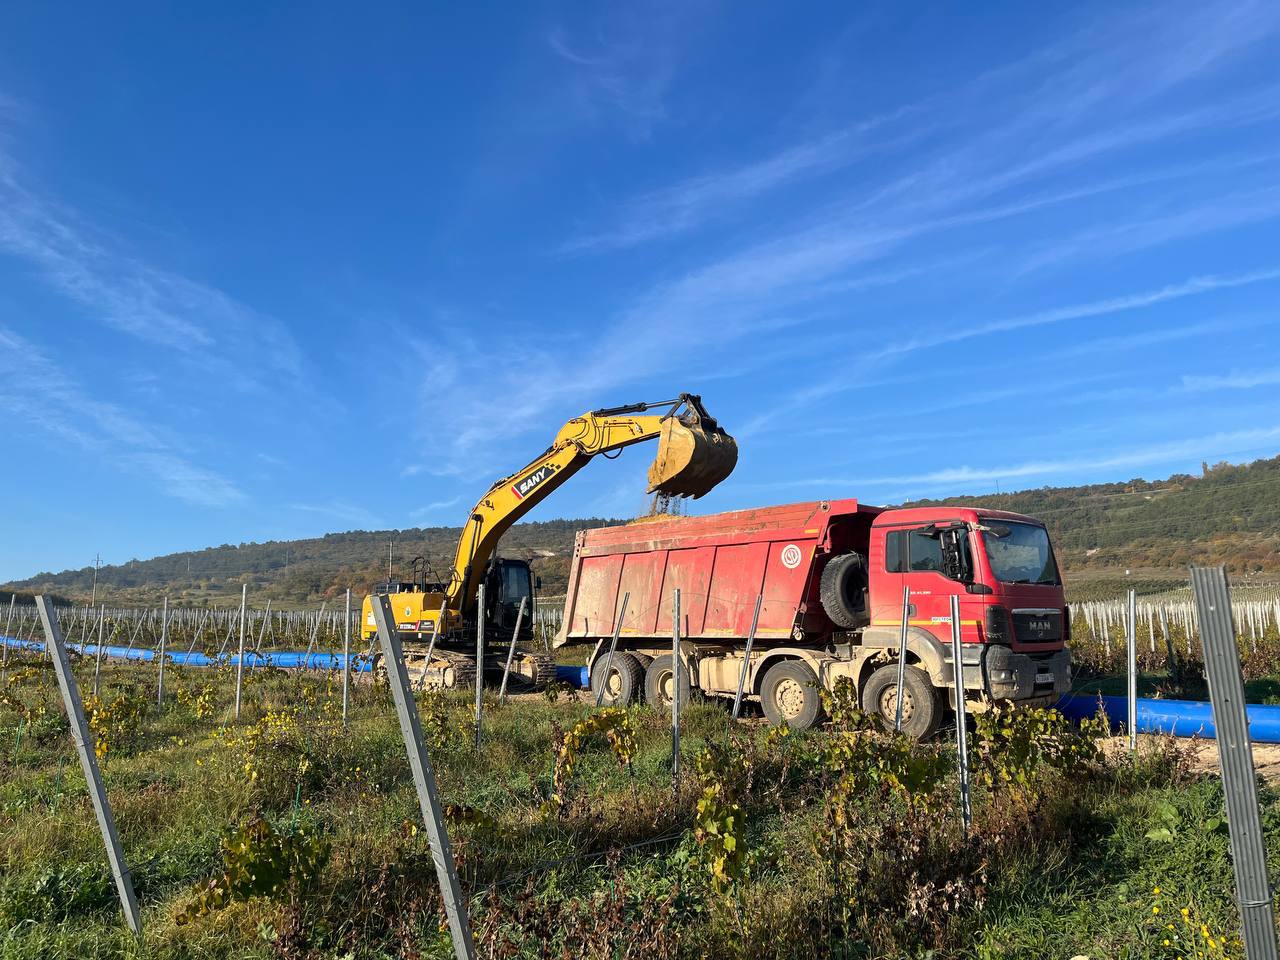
[{"x": 1037, "y": 626}]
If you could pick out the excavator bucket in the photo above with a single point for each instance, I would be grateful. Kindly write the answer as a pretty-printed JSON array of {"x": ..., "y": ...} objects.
[{"x": 694, "y": 454}]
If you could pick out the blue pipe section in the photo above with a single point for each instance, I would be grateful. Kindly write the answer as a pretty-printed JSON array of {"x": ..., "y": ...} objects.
[
  {"x": 285, "y": 660},
  {"x": 574, "y": 675},
  {"x": 1181, "y": 718}
]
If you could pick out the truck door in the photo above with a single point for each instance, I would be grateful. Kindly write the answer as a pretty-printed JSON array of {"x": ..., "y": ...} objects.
[
  {"x": 925, "y": 572},
  {"x": 930, "y": 588},
  {"x": 888, "y": 569}
]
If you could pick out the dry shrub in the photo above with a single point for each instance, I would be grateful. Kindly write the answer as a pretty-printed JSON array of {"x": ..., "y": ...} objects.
[{"x": 613, "y": 922}]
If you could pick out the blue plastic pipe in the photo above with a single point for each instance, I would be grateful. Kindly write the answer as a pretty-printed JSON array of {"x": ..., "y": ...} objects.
[
  {"x": 285, "y": 660},
  {"x": 1182, "y": 718},
  {"x": 574, "y": 675}
]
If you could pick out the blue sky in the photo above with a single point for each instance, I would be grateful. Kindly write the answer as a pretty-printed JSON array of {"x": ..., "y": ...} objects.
[{"x": 267, "y": 273}]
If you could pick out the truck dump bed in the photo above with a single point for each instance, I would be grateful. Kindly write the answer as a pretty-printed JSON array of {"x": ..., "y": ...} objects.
[{"x": 721, "y": 563}]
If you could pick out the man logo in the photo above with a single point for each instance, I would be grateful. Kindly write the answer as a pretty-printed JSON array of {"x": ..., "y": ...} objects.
[{"x": 791, "y": 556}]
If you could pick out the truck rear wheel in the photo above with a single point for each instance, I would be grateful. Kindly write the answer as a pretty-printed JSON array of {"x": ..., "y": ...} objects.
[
  {"x": 843, "y": 590},
  {"x": 658, "y": 683},
  {"x": 921, "y": 705},
  {"x": 789, "y": 694},
  {"x": 623, "y": 684}
]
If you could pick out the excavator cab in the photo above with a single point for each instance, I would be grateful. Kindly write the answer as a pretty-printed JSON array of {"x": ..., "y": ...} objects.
[{"x": 507, "y": 584}]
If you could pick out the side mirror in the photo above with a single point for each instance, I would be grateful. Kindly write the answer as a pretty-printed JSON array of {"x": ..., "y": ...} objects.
[{"x": 955, "y": 564}]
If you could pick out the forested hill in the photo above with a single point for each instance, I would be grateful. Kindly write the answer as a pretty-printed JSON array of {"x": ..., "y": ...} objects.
[
  {"x": 1228, "y": 514},
  {"x": 308, "y": 571}
]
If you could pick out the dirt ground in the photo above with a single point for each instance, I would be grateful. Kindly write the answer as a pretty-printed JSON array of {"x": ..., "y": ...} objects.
[{"x": 1202, "y": 755}]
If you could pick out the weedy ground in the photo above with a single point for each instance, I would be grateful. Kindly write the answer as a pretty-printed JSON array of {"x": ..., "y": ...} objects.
[{"x": 287, "y": 835}]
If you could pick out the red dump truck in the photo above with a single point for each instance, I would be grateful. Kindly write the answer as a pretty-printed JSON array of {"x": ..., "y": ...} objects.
[{"x": 830, "y": 576}]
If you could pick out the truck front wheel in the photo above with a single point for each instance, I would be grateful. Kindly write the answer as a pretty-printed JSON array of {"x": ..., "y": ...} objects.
[
  {"x": 659, "y": 683},
  {"x": 789, "y": 694},
  {"x": 921, "y": 706}
]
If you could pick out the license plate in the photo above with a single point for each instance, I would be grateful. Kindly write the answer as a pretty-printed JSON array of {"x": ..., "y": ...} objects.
[{"x": 1044, "y": 678}]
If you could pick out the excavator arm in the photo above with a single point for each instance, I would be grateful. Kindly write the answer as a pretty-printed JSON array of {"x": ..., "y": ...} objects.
[{"x": 694, "y": 454}]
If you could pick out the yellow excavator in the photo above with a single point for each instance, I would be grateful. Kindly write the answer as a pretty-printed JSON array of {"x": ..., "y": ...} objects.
[{"x": 438, "y": 618}]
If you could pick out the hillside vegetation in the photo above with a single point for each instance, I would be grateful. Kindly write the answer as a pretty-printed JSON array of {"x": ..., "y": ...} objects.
[{"x": 1229, "y": 514}]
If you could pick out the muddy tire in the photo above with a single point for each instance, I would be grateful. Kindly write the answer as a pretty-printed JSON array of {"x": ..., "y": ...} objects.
[
  {"x": 626, "y": 679},
  {"x": 658, "y": 683},
  {"x": 843, "y": 586},
  {"x": 921, "y": 704},
  {"x": 789, "y": 694}
]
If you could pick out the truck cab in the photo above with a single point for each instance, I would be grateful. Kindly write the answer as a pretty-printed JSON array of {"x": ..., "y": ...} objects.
[{"x": 1013, "y": 614}]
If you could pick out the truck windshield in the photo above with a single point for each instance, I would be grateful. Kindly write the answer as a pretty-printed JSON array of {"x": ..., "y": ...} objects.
[{"x": 1020, "y": 555}]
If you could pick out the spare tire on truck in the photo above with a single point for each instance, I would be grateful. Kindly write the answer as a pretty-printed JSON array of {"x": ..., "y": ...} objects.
[{"x": 843, "y": 590}]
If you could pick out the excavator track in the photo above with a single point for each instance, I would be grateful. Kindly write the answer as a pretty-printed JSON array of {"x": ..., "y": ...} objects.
[
  {"x": 446, "y": 671},
  {"x": 451, "y": 670}
]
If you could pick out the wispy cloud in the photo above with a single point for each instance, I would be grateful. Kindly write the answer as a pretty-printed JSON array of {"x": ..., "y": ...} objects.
[
  {"x": 1236, "y": 380},
  {"x": 963, "y": 478},
  {"x": 421, "y": 513},
  {"x": 691, "y": 202},
  {"x": 1095, "y": 308},
  {"x": 952, "y": 334},
  {"x": 1037, "y": 125},
  {"x": 36, "y": 392},
  {"x": 1093, "y": 94},
  {"x": 621, "y": 71},
  {"x": 1206, "y": 215},
  {"x": 1149, "y": 338},
  {"x": 196, "y": 322},
  {"x": 353, "y": 514},
  {"x": 1218, "y": 444}
]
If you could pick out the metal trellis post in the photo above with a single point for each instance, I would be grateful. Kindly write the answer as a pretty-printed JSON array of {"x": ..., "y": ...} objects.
[
  {"x": 675, "y": 687},
  {"x": 613, "y": 648},
  {"x": 962, "y": 732},
  {"x": 511, "y": 651},
  {"x": 746, "y": 657},
  {"x": 902, "y": 658},
  {"x": 431, "y": 645},
  {"x": 1131, "y": 646},
  {"x": 89, "y": 763},
  {"x": 424, "y": 779},
  {"x": 480, "y": 611},
  {"x": 1235, "y": 754},
  {"x": 164, "y": 640},
  {"x": 244, "y": 599},
  {"x": 97, "y": 660},
  {"x": 346, "y": 659}
]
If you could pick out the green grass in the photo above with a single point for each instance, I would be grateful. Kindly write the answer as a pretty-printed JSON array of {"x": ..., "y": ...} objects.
[
  {"x": 1264, "y": 690},
  {"x": 1061, "y": 867}
]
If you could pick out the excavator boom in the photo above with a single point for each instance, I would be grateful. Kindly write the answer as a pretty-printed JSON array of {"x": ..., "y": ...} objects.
[{"x": 694, "y": 455}]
